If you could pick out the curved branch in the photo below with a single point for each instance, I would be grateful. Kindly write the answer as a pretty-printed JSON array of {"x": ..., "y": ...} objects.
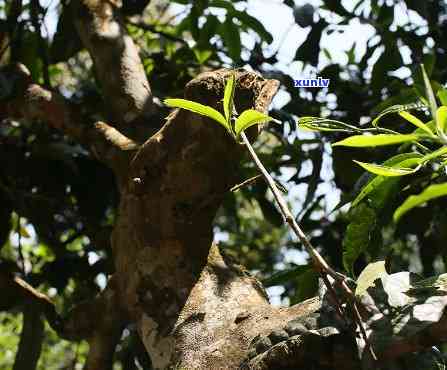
[
  {"x": 23, "y": 99},
  {"x": 117, "y": 63}
]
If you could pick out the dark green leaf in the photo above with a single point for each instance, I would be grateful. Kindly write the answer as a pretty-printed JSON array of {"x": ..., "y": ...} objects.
[
  {"x": 310, "y": 49},
  {"x": 358, "y": 234},
  {"x": 283, "y": 277},
  {"x": 255, "y": 25},
  {"x": 231, "y": 37}
]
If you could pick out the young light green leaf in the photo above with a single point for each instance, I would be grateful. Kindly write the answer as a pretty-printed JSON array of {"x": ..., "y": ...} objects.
[
  {"x": 431, "y": 192},
  {"x": 416, "y": 121},
  {"x": 369, "y": 275},
  {"x": 198, "y": 108},
  {"x": 397, "y": 109},
  {"x": 442, "y": 95},
  {"x": 441, "y": 118},
  {"x": 431, "y": 98},
  {"x": 431, "y": 126},
  {"x": 386, "y": 170},
  {"x": 360, "y": 141},
  {"x": 249, "y": 118},
  {"x": 323, "y": 124},
  {"x": 228, "y": 100},
  {"x": 406, "y": 160},
  {"x": 437, "y": 153}
]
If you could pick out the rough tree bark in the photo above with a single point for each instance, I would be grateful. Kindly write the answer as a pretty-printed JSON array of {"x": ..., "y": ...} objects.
[{"x": 192, "y": 306}]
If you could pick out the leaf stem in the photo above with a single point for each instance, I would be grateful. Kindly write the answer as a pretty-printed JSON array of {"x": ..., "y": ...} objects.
[
  {"x": 320, "y": 264},
  {"x": 318, "y": 260}
]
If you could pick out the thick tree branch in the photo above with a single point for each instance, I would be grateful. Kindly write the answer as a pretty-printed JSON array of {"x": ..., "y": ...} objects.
[
  {"x": 23, "y": 99},
  {"x": 117, "y": 63},
  {"x": 100, "y": 321}
]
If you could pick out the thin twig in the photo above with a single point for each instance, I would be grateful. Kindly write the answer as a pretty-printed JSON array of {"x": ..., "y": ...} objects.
[
  {"x": 246, "y": 182},
  {"x": 319, "y": 262}
]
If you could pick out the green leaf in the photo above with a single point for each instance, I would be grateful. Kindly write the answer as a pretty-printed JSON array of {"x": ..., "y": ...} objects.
[
  {"x": 228, "y": 100},
  {"x": 441, "y": 118},
  {"x": 198, "y": 108},
  {"x": 285, "y": 276},
  {"x": 369, "y": 275},
  {"x": 324, "y": 124},
  {"x": 429, "y": 285},
  {"x": 385, "y": 170},
  {"x": 416, "y": 121},
  {"x": 397, "y": 109},
  {"x": 437, "y": 153},
  {"x": 351, "y": 53},
  {"x": 309, "y": 50},
  {"x": 431, "y": 98},
  {"x": 231, "y": 38},
  {"x": 24, "y": 232},
  {"x": 358, "y": 234},
  {"x": 381, "y": 182},
  {"x": 360, "y": 141},
  {"x": 202, "y": 55},
  {"x": 255, "y": 25},
  {"x": 431, "y": 192},
  {"x": 442, "y": 95},
  {"x": 249, "y": 118}
]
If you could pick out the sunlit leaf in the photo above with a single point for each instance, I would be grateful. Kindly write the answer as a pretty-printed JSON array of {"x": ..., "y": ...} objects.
[
  {"x": 416, "y": 121},
  {"x": 249, "y": 118},
  {"x": 441, "y": 118},
  {"x": 397, "y": 109},
  {"x": 431, "y": 97},
  {"x": 431, "y": 192},
  {"x": 228, "y": 100},
  {"x": 386, "y": 170},
  {"x": 442, "y": 95},
  {"x": 198, "y": 108},
  {"x": 406, "y": 160},
  {"x": 370, "y": 273},
  {"x": 376, "y": 140},
  {"x": 436, "y": 154},
  {"x": 24, "y": 232},
  {"x": 324, "y": 124}
]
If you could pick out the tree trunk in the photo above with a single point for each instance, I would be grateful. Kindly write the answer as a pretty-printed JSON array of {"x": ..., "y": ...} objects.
[{"x": 192, "y": 306}]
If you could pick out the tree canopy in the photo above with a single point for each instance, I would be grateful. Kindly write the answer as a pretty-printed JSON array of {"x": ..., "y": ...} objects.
[{"x": 59, "y": 199}]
